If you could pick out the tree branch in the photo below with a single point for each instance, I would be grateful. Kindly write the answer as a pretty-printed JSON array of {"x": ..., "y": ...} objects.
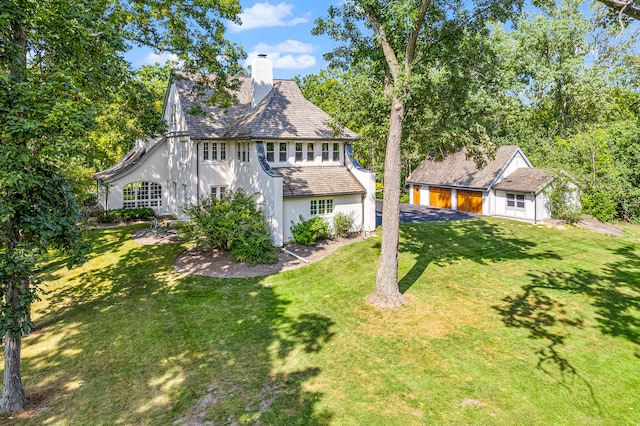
[
  {"x": 624, "y": 7},
  {"x": 389, "y": 54},
  {"x": 410, "y": 52}
]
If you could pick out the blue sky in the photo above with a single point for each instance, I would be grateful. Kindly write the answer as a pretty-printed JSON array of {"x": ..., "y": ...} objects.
[{"x": 282, "y": 30}]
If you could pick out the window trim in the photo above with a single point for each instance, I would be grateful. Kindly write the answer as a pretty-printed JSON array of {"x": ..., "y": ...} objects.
[
  {"x": 141, "y": 194},
  {"x": 515, "y": 201},
  {"x": 321, "y": 206},
  {"x": 217, "y": 190}
]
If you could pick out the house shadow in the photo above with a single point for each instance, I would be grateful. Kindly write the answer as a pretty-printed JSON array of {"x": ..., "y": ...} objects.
[
  {"x": 442, "y": 243},
  {"x": 613, "y": 291},
  {"x": 196, "y": 349}
]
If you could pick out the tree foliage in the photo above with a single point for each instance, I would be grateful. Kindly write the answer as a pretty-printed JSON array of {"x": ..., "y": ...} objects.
[
  {"x": 61, "y": 66},
  {"x": 232, "y": 223}
]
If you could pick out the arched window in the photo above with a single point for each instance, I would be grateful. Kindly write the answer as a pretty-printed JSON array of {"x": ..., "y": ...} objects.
[{"x": 142, "y": 194}]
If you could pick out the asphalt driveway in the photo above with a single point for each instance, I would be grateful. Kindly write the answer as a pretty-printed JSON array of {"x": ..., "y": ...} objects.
[{"x": 416, "y": 213}]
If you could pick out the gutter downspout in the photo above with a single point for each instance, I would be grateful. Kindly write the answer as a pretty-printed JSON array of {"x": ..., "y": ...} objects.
[
  {"x": 364, "y": 197},
  {"x": 198, "y": 172}
]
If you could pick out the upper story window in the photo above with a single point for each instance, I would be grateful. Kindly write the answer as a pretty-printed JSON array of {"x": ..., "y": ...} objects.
[
  {"x": 310, "y": 151},
  {"x": 336, "y": 151},
  {"x": 173, "y": 115},
  {"x": 214, "y": 151},
  {"x": 242, "y": 151},
  {"x": 283, "y": 152},
  {"x": 325, "y": 152},
  {"x": 184, "y": 149},
  {"x": 298, "y": 151},
  {"x": 270, "y": 151},
  {"x": 223, "y": 151}
]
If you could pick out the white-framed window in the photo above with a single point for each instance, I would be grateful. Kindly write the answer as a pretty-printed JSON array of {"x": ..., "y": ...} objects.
[
  {"x": 271, "y": 151},
  {"x": 283, "y": 152},
  {"x": 515, "y": 201},
  {"x": 184, "y": 149},
  {"x": 322, "y": 206},
  {"x": 243, "y": 151},
  {"x": 205, "y": 151},
  {"x": 298, "y": 151},
  {"x": 310, "y": 151},
  {"x": 336, "y": 151},
  {"x": 141, "y": 194},
  {"x": 214, "y": 151},
  {"x": 218, "y": 191},
  {"x": 325, "y": 151},
  {"x": 173, "y": 119}
]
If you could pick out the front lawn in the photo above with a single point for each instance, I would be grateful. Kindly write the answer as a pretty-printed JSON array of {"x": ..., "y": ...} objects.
[{"x": 508, "y": 323}]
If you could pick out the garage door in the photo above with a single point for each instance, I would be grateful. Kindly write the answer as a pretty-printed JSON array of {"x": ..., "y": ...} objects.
[
  {"x": 440, "y": 197},
  {"x": 470, "y": 201}
]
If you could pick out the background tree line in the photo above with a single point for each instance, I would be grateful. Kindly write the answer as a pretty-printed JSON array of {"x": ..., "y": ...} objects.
[{"x": 560, "y": 81}]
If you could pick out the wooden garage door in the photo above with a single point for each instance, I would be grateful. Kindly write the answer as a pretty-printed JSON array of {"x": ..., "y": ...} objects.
[
  {"x": 470, "y": 201},
  {"x": 440, "y": 197}
]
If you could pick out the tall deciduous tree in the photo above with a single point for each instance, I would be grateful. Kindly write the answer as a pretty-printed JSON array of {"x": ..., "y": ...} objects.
[
  {"x": 58, "y": 61},
  {"x": 403, "y": 37}
]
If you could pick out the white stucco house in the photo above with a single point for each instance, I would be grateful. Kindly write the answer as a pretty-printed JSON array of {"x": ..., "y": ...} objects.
[
  {"x": 507, "y": 185},
  {"x": 272, "y": 143}
]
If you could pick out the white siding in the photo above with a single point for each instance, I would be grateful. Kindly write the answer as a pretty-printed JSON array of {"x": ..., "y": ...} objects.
[
  {"x": 296, "y": 207},
  {"x": 368, "y": 180},
  {"x": 154, "y": 169},
  {"x": 526, "y": 213},
  {"x": 250, "y": 176}
]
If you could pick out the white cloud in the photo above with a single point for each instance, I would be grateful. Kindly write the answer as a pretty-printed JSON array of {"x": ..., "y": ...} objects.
[
  {"x": 161, "y": 58},
  {"x": 264, "y": 15},
  {"x": 290, "y": 54}
]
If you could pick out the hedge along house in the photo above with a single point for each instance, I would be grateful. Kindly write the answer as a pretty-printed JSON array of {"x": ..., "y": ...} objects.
[
  {"x": 272, "y": 143},
  {"x": 507, "y": 185}
]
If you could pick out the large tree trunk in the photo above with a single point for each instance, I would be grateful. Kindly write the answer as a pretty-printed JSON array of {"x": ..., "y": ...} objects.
[
  {"x": 387, "y": 293},
  {"x": 13, "y": 398}
]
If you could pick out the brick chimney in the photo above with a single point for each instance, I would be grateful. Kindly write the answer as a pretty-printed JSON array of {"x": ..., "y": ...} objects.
[{"x": 261, "y": 78}]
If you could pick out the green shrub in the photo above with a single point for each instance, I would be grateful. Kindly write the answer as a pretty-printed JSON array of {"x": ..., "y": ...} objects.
[
  {"x": 342, "y": 224},
  {"x": 234, "y": 224},
  {"x": 563, "y": 200},
  {"x": 404, "y": 198},
  {"x": 307, "y": 232},
  {"x": 123, "y": 215}
]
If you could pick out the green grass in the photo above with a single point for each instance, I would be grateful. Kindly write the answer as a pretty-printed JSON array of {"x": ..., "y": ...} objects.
[{"x": 508, "y": 323}]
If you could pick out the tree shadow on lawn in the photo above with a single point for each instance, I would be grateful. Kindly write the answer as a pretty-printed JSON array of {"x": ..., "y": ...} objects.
[
  {"x": 613, "y": 291},
  {"x": 133, "y": 342},
  {"x": 442, "y": 243}
]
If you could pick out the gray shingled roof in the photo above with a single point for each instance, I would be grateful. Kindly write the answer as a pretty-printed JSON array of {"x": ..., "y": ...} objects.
[
  {"x": 526, "y": 180},
  {"x": 128, "y": 161},
  {"x": 458, "y": 171},
  {"x": 318, "y": 181},
  {"x": 283, "y": 114}
]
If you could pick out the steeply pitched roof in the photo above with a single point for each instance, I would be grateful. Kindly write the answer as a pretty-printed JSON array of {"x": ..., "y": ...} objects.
[
  {"x": 318, "y": 181},
  {"x": 283, "y": 114},
  {"x": 128, "y": 161},
  {"x": 458, "y": 171},
  {"x": 526, "y": 180}
]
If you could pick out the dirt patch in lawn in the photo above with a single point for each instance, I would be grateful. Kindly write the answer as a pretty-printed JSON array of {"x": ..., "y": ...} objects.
[{"x": 216, "y": 263}]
